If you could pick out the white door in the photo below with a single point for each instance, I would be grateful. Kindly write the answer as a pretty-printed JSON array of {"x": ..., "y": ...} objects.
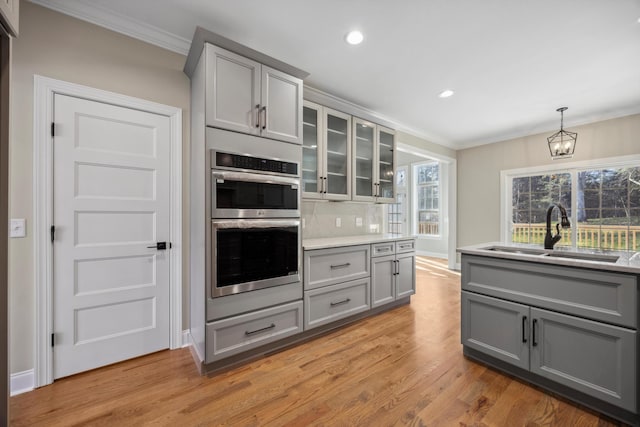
[
  {"x": 282, "y": 100},
  {"x": 111, "y": 203}
]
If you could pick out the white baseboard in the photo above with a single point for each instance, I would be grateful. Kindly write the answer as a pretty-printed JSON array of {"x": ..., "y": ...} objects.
[
  {"x": 22, "y": 382},
  {"x": 186, "y": 338},
  {"x": 432, "y": 254}
]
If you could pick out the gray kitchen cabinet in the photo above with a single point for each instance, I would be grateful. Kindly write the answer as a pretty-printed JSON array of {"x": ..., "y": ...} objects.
[
  {"x": 373, "y": 162},
  {"x": 243, "y": 95},
  {"x": 244, "y": 332},
  {"x": 324, "y": 305},
  {"x": 569, "y": 326},
  {"x": 336, "y": 283},
  {"x": 324, "y": 267},
  {"x": 10, "y": 11},
  {"x": 592, "y": 357},
  {"x": 393, "y": 275},
  {"x": 496, "y": 327},
  {"x": 326, "y": 150}
]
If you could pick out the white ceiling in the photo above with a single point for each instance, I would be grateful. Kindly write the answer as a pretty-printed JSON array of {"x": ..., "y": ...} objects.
[{"x": 511, "y": 63}]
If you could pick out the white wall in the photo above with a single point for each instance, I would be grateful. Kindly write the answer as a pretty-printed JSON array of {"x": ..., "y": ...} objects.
[
  {"x": 479, "y": 169},
  {"x": 57, "y": 46}
]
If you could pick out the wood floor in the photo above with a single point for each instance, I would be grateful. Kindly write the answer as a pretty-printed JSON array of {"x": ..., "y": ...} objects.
[{"x": 404, "y": 367}]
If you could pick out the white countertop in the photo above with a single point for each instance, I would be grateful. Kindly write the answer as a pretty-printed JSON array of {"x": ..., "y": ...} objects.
[
  {"x": 334, "y": 242},
  {"x": 627, "y": 262}
]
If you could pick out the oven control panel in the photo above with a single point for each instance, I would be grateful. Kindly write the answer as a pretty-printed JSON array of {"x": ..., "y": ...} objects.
[{"x": 238, "y": 161}]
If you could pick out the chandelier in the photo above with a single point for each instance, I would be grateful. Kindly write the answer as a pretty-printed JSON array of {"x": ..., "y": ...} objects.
[{"x": 562, "y": 143}]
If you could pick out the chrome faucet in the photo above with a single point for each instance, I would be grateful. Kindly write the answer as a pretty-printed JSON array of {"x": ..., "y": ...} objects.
[{"x": 550, "y": 240}]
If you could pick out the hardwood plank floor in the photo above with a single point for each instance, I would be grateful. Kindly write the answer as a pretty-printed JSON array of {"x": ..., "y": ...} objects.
[{"x": 403, "y": 367}]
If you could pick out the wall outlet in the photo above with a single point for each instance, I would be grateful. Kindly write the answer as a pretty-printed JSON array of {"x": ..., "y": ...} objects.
[
  {"x": 358, "y": 222},
  {"x": 373, "y": 228},
  {"x": 17, "y": 228},
  {"x": 338, "y": 222}
]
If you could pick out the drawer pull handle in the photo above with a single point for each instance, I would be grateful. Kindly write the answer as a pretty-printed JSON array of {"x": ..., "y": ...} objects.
[
  {"x": 344, "y": 301},
  {"x": 524, "y": 326},
  {"x": 384, "y": 249},
  {"x": 533, "y": 333},
  {"x": 257, "y": 331},
  {"x": 346, "y": 264},
  {"x": 405, "y": 246}
]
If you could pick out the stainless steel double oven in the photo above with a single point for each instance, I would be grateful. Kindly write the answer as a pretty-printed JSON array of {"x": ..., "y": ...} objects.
[{"x": 255, "y": 220}]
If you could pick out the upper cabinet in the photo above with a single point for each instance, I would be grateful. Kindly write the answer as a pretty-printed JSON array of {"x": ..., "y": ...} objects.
[
  {"x": 326, "y": 153},
  {"x": 373, "y": 162},
  {"x": 9, "y": 10},
  {"x": 246, "y": 96}
]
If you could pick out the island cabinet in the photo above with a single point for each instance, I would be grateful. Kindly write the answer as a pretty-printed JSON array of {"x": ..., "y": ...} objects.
[
  {"x": 246, "y": 96},
  {"x": 326, "y": 150},
  {"x": 336, "y": 284},
  {"x": 393, "y": 271},
  {"x": 569, "y": 329}
]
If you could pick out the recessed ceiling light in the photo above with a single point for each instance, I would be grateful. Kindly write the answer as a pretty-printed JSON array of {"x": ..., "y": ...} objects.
[
  {"x": 354, "y": 37},
  {"x": 446, "y": 93}
]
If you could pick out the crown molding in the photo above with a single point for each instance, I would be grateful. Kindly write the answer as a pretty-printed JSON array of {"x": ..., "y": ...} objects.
[
  {"x": 86, "y": 11},
  {"x": 332, "y": 101}
]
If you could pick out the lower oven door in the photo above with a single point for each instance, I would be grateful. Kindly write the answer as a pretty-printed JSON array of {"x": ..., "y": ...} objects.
[{"x": 250, "y": 254}]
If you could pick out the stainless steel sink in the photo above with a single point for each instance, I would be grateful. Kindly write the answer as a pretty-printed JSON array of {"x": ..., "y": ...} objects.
[
  {"x": 516, "y": 250},
  {"x": 584, "y": 257}
]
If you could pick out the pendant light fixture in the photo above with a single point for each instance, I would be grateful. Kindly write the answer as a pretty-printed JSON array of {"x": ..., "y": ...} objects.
[{"x": 562, "y": 143}]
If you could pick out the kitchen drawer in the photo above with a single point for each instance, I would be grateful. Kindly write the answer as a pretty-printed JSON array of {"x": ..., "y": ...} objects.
[
  {"x": 383, "y": 249},
  {"x": 324, "y": 267},
  {"x": 598, "y": 295},
  {"x": 240, "y": 333},
  {"x": 404, "y": 246},
  {"x": 330, "y": 303}
]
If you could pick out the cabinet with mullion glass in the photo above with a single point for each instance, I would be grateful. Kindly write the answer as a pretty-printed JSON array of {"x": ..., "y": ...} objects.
[
  {"x": 373, "y": 162},
  {"x": 326, "y": 150}
]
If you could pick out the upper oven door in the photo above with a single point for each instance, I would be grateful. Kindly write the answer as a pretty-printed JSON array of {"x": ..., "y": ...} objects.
[{"x": 249, "y": 195}]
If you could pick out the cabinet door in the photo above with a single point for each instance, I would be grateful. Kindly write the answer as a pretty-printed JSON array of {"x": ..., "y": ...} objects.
[
  {"x": 496, "y": 327},
  {"x": 406, "y": 277},
  {"x": 232, "y": 91},
  {"x": 385, "y": 165},
  {"x": 337, "y": 144},
  {"x": 364, "y": 184},
  {"x": 9, "y": 10},
  {"x": 281, "y": 106},
  {"x": 383, "y": 280},
  {"x": 312, "y": 144},
  {"x": 592, "y": 357}
]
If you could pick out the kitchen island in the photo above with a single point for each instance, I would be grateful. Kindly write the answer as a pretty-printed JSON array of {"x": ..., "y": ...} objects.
[{"x": 563, "y": 320}]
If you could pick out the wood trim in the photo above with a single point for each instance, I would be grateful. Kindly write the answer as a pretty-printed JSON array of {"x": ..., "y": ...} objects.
[{"x": 44, "y": 91}]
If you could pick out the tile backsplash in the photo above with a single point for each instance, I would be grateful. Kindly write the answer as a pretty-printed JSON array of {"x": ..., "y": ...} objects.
[{"x": 331, "y": 219}]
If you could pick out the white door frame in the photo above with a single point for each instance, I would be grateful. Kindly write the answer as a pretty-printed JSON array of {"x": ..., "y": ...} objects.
[{"x": 44, "y": 91}]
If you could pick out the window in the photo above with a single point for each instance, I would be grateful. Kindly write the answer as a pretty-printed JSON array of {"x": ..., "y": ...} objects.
[
  {"x": 603, "y": 204},
  {"x": 427, "y": 176}
]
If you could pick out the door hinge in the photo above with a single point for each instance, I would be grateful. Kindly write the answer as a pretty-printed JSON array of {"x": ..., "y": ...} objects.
[
  {"x": 53, "y": 233},
  {"x": 53, "y": 129},
  {"x": 53, "y": 340}
]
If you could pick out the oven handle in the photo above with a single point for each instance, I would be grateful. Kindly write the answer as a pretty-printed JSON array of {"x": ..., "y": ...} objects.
[
  {"x": 254, "y": 223},
  {"x": 254, "y": 177}
]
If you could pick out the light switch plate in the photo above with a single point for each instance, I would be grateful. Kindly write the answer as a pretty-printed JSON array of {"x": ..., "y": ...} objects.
[
  {"x": 358, "y": 222},
  {"x": 17, "y": 227},
  {"x": 338, "y": 222}
]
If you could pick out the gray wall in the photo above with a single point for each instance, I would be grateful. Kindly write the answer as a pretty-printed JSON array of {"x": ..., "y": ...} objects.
[
  {"x": 57, "y": 46},
  {"x": 479, "y": 169}
]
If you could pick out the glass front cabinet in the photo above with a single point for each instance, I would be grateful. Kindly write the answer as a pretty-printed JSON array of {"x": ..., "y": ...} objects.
[
  {"x": 326, "y": 150},
  {"x": 373, "y": 162}
]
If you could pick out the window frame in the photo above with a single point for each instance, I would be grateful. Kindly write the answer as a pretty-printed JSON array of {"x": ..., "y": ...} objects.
[
  {"x": 415, "y": 209},
  {"x": 573, "y": 168}
]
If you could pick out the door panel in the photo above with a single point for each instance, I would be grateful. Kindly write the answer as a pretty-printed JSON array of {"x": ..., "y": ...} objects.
[
  {"x": 282, "y": 98},
  {"x": 592, "y": 357},
  {"x": 111, "y": 201},
  {"x": 496, "y": 327},
  {"x": 232, "y": 91},
  {"x": 383, "y": 282},
  {"x": 406, "y": 279}
]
